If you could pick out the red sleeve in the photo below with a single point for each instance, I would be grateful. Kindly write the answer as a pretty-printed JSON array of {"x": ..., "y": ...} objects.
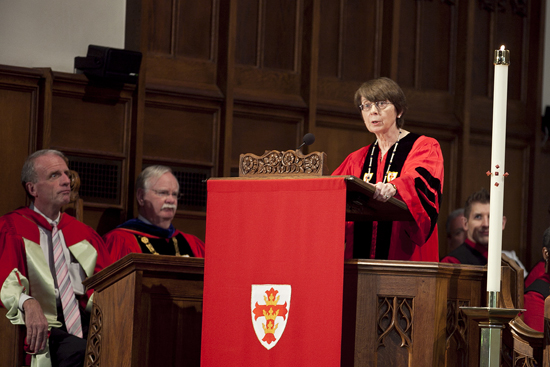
[
  {"x": 534, "y": 314},
  {"x": 12, "y": 249},
  {"x": 120, "y": 243},
  {"x": 420, "y": 186},
  {"x": 450, "y": 260},
  {"x": 197, "y": 246},
  {"x": 12, "y": 255},
  {"x": 535, "y": 273},
  {"x": 103, "y": 257}
]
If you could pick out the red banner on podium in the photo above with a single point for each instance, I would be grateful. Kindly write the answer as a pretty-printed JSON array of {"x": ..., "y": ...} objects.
[{"x": 273, "y": 272}]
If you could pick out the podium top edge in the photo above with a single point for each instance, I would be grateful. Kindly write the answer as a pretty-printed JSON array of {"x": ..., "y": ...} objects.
[
  {"x": 145, "y": 262},
  {"x": 277, "y": 177}
]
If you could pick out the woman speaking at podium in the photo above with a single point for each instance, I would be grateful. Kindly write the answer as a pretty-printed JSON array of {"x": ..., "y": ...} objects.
[{"x": 398, "y": 164}]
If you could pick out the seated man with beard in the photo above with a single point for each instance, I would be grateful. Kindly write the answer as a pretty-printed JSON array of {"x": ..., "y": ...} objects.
[
  {"x": 152, "y": 232},
  {"x": 475, "y": 249}
]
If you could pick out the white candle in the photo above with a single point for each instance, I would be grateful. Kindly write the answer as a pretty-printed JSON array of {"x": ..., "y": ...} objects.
[{"x": 502, "y": 60}]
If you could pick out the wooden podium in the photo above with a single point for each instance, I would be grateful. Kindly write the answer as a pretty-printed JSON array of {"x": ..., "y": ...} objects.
[
  {"x": 404, "y": 313},
  {"x": 290, "y": 231},
  {"x": 147, "y": 312},
  {"x": 284, "y": 232}
]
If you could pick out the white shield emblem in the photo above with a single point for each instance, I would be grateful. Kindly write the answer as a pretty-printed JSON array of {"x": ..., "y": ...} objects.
[
  {"x": 270, "y": 306},
  {"x": 391, "y": 176}
]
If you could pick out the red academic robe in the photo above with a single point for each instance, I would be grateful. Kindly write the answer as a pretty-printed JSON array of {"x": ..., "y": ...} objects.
[
  {"x": 535, "y": 273},
  {"x": 419, "y": 182},
  {"x": 533, "y": 302},
  {"x": 19, "y": 229},
  {"x": 122, "y": 241},
  {"x": 477, "y": 254}
]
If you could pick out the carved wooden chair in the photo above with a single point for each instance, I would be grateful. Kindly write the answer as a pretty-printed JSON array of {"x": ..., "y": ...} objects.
[
  {"x": 12, "y": 337},
  {"x": 546, "y": 342},
  {"x": 75, "y": 207},
  {"x": 521, "y": 344},
  {"x": 11, "y": 342},
  {"x": 511, "y": 295}
]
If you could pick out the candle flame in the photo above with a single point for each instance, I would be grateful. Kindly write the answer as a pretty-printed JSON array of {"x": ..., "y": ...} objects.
[{"x": 502, "y": 48}]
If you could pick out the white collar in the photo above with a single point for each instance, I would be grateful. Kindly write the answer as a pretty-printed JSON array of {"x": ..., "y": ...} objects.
[
  {"x": 142, "y": 218},
  {"x": 56, "y": 221}
]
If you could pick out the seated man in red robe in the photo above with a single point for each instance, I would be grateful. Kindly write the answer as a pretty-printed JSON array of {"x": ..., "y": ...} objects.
[
  {"x": 44, "y": 257},
  {"x": 474, "y": 250},
  {"x": 152, "y": 231},
  {"x": 537, "y": 291},
  {"x": 536, "y": 272}
]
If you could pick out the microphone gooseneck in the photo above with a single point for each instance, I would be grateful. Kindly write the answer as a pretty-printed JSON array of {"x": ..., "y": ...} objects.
[{"x": 308, "y": 139}]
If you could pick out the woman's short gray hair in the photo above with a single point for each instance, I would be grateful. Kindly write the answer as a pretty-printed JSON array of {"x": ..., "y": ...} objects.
[{"x": 148, "y": 174}]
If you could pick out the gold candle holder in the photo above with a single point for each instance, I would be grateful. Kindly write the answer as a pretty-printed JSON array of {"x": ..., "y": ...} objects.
[{"x": 502, "y": 57}]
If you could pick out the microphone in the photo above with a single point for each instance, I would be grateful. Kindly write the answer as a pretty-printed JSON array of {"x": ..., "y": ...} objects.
[{"x": 308, "y": 139}]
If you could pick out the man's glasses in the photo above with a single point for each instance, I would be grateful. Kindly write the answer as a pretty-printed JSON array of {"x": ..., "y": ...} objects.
[
  {"x": 380, "y": 105},
  {"x": 165, "y": 193}
]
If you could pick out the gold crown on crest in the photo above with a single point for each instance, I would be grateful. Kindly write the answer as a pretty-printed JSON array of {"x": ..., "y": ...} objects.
[
  {"x": 270, "y": 329},
  {"x": 270, "y": 300}
]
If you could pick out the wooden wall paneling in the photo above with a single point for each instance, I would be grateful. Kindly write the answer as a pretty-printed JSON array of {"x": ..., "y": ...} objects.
[
  {"x": 182, "y": 131},
  {"x": 246, "y": 50},
  {"x": 359, "y": 53},
  {"x": 136, "y": 38},
  {"x": 436, "y": 45},
  {"x": 511, "y": 30},
  {"x": 227, "y": 48},
  {"x": 537, "y": 219},
  {"x": 310, "y": 63},
  {"x": 338, "y": 136},
  {"x": 427, "y": 60},
  {"x": 256, "y": 130},
  {"x": 493, "y": 29},
  {"x": 541, "y": 205},
  {"x": 273, "y": 27},
  {"x": 87, "y": 125},
  {"x": 349, "y": 50},
  {"x": 466, "y": 37},
  {"x": 195, "y": 29},
  {"x": 194, "y": 223},
  {"x": 43, "y": 133},
  {"x": 431, "y": 108},
  {"x": 483, "y": 49},
  {"x": 92, "y": 125},
  {"x": 182, "y": 42},
  {"x": 516, "y": 194},
  {"x": 408, "y": 43},
  {"x": 281, "y": 34},
  {"x": 20, "y": 92},
  {"x": 330, "y": 30},
  {"x": 275, "y": 72},
  {"x": 391, "y": 21},
  {"x": 104, "y": 219}
]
